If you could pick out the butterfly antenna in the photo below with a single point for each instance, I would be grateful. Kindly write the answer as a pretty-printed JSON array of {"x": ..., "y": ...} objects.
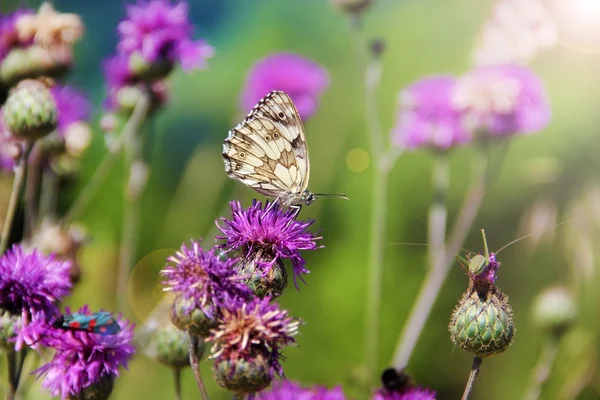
[
  {"x": 339, "y": 195},
  {"x": 531, "y": 234},
  {"x": 422, "y": 244}
]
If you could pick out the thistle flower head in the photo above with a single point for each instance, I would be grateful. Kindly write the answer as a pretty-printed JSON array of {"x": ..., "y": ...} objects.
[
  {"x": 72, "y": 106},
  {"x": 301, "y": 78},
  {"x": 427, "y": 116},
  {"x": 203, "y": 279},
  {"x": 30, "y": 285},
  {"x": 414, "y": 393},
  {"x": 502, "y": 100},
  {"x": 84, "y": 359},
  {"x": 158, "y": 29},
  {"x": 286, "y": 389},
  {"x": 271, "y": 230}
]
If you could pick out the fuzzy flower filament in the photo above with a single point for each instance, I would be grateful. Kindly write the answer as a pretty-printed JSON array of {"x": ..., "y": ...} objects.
[
  {"x": 86, "y": 363},
  {"x": 264, "y": 236}
]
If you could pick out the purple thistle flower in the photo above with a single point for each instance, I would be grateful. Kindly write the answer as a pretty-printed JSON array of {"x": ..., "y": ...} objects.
[
  {"x": 8, "y": 147},
  {"x": 8, "y": 33},
  {"x": 83, "y": 359},
  {"x": 286, "y": 389},
  {"x": 488, "y": 274},
  {"x": 428, "y": 117},
  {"x": 302, "y": 79},
  {"x": 270, "y": 229},
  {"x": 158, "y": 29},
  {"x": 30, "y": 285},
  {"x": 245, "y": 327},
  {"x": 204, "y": 278},
  {"x": 72, "y": 106},
  {"x": 406, "y": 394},
  {"x": 502, "y": 100}
]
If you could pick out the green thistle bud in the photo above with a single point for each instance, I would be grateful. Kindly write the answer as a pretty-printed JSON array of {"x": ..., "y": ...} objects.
[
  {"x": 173, "y": 346},
  {"x": 554, "y": 309},
  {"x": 192, "y": 320},
  {"x": 35, "y": 61},
  {"x": 243, "y": 375},
  {"x": 270, "y": 284},
  {"x": 30, "y": 111},
  {"x": 8, "y": 323},
  {"x": 482, "y": 322},
  {"x": 100, "y": 390},
  {"x": 150, "y": 72}
]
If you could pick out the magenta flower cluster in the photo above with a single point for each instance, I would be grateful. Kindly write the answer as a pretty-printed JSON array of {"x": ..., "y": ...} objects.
[
  {"x": 441, "y": 112},
  {"x": 287, "y": 389}
]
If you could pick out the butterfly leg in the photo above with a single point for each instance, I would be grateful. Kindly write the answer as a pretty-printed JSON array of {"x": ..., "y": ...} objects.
[
  {"x": 269, "y": 207},
  {"x": 296, "y": 209}
]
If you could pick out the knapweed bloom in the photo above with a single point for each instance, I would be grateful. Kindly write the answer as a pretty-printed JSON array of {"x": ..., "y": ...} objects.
[
  {"x": 413, "y": 393},
  {"x": 74, "y": 111},
  {"x": 428, "y": 117},
  {"x": 203, "y": 283},
  {"x": 263, "y": 236},
  {"x": 286, "y": 389},
  {"x": 502, "y": 100},
  {"x": 86, "y": 362},
  {"x": 301, "y": 78},
  {"x": 30, "y": 286},
  {"x": 247, "y": 342},
  {"x": 482, "y": 321}
]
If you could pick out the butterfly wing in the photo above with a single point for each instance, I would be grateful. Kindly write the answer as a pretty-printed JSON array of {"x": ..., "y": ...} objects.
[{"x": 268, "y": 151}]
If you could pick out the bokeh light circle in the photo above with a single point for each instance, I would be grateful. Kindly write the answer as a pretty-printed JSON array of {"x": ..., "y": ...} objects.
[
  {"x": 358, "y": 160},
  {"x": 577, "y": 23}
]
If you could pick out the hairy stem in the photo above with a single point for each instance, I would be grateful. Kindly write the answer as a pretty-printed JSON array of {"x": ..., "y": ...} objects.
[
  {"x": 195, "y": 364},
  {"x": 541, "y": 372},
  {"x": 474, "y": 372},
  {"x": 177, "y": 382},
  {"x": 132, "y": 141},
  {"x": 20, "y": 173},
  {"x": 437, "y": 274}
]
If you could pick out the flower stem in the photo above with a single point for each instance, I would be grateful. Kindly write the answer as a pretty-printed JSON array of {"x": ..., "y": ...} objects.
[
  {"x": 32, "y": 186},
  {"x": 195, "y": 364},
  {"x": 49, "y": 196},
  {"x": 474, "y": 372},
  {"x": 133, "y": 146},
  {"x": 20, "y": 173},
  {"x": 437, "y": 274},
  {"x": 438, "y": 212},
  {"x": 541, "y": 372},
  {"x": 177, "y": 381},
  {"x": 11, "y": 357}
]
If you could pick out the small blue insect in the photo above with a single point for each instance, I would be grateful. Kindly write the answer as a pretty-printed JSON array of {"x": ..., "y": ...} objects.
[{"x": 99, "y": 322}]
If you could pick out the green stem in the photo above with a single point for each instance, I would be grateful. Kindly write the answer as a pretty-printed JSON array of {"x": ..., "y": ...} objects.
[
  {"x": 133, "y": 142},
  {"x": 20, "y": 173},
  {"x": 474, "y": 372},
  {"x": 195, "y": 364},
  {"x": 32, "y": 185},
  {"x": 541, "y": 372},
  {"x": 437, "y": 274},
  {"x": 177, "y": 381},
  {"x": 49, "y": 196},
  {"x": 438, "y": 212},
  {"x": 11, "y": 357}
]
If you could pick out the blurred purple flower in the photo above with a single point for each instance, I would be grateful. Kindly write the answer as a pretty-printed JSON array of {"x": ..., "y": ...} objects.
[
  {"x": 83, "y": 359},
  {"x": 406, "y": 394},
  {"x": 489, "y": 272},
  {"x": 502, "y": 100},
  {"x": 302, "y": 79},
  {"x": 272, "y": 229},
  {"x": 72, "y": 106},
  {"x": 286, "y": 389},
  {"x": 30, "y": 286},
  {"x": 247, "y": 327},
  {"x": 8, "y": 33},
  {"x": 7, "y": 147},
  {"x": 159, "y": 29},
  {"x": 203, "y": 277},
  {"x": 427, "y": 116}
]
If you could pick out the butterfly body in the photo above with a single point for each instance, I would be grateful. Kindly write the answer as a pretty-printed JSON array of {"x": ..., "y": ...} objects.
[
  {"x": 100, "y": 322},
  {"x": 267, "y": 151}
]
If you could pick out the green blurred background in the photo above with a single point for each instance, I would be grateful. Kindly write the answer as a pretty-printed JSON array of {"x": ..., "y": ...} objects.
[{"x": 188, "y": 190}]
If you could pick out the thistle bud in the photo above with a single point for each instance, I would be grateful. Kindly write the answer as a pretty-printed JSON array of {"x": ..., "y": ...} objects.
[
  {"x": 482, "y": 322},
  {"x": 263, "y": 281},
  {"x": 246, "y": 375},
  {"x": 352, "y": 6},
  {"x": 100, "y": 390},
  {"x": 173, "y": 346},
  {"x": 150, "y": 71},
  {"x": 554, "y": 309},
  {"x": 189, "y": 318},
  {"x": 30, "y": 110}
]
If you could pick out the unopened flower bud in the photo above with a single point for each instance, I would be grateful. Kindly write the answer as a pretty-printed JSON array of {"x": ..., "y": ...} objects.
[
  {"x": 100, "y": 390},
  {"x": 190, "y": 319},
  {"x": 264, "y": 281},
  {"x": 150, "y": 71},
  {"x": 30, "y": 110},
  {"x": 482, "y": 323},
  {"x": 173, "y": 347},
  {"x": 244, "y": 376},
  {"x": 554, "y": 309}
]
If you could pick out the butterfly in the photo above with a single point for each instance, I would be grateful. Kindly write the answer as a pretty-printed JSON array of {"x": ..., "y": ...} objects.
[
  {"x": 99, "y": 322},
  {"x": 267, "y": 151}
]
